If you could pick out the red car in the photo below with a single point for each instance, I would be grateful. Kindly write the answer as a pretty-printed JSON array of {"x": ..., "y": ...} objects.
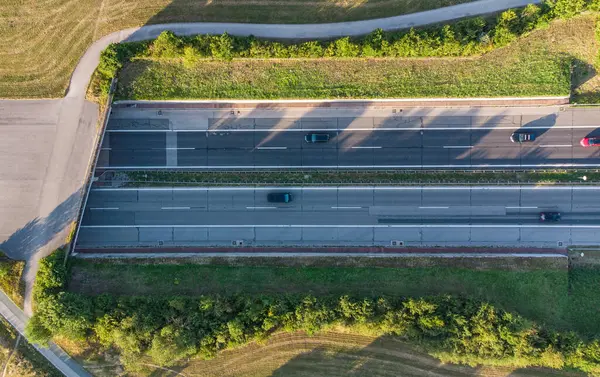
[{"x": 590, "y": 142}]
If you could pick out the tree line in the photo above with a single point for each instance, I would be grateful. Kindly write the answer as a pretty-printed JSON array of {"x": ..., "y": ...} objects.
[{"x": 172, "y": 329}]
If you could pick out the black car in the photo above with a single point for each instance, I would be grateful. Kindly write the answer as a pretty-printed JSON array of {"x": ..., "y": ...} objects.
[
  {"x": 550, "y": 216},
  {"x": 522, "y": 137},
  {"x": 279, "y": 197},
  {"x": 316, "y": 138}
]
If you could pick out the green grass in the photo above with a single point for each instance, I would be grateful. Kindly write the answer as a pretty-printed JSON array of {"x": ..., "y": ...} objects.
[
  {"x": 11, "y": 282},
  {"x": 162, "y": 178},
  {"x": 518, "y": 73},
  {"x": 526, "y": 291},
  {"x": 26, "y": 360}
]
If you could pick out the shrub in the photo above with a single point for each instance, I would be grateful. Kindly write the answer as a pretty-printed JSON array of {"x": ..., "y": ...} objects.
[
  {"x": 566, "y": 8},
  {"x": 167, "y": 45},
  {"x": 221, "y": 47}
]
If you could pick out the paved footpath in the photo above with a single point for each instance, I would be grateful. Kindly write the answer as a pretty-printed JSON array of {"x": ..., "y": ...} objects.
[{"x": 55, "y": 355}]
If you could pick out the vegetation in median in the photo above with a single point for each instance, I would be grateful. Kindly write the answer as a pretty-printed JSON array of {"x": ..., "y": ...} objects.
[
  {"x": 11, "y": 281},
  {"x": 169, "y": 328},
  {"x": 173, "y": 67},
  {"x": 352, "y": 177}
]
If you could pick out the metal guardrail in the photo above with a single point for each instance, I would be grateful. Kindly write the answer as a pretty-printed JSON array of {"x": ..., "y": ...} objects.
[{"x": 90, "y": 179}]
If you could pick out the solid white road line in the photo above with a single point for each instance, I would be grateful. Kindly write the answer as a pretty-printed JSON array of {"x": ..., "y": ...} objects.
[
  {"x": 433, "y": 207},
  {"x": 354, "y": 188},
  {"x": 346, "y": 207},
  {"x": 517, "y": 207},
  {"x": 415, "y": 129},
  {"x": 271, "y": 148},
  {"x": 104, "y": 209},
  {"x": 174, "y": 148},
  {"x": 175, "y": 208},
  {"x": 259, "y": 207},
  {"x": 298, "y": 167},
  {"x": 458, "y": 146},
  {"x": 563, "y": 226},
  {"x": 366, "y": 147}
]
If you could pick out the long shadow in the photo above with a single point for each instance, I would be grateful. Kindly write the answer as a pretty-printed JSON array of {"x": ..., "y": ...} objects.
[
  {"x": 38, "y": 232},
  {"x": 388, "y": 356}
]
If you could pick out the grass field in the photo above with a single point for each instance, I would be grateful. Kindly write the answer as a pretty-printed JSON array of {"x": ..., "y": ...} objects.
[
  {"x": 25, "y": 361},
  {"x": 334, "y": 354},
  {"x": 43, "y": 40},
  {"x": 519, "y": 73},
  {"x": 522, "y": 289}
]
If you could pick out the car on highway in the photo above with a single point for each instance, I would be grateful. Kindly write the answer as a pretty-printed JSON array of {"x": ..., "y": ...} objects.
[
  {"x": 279, "y": 197},
  {"x": 590, "y": 142},
  {"x": 522, "y": 137},
  {"x": 316, "y": 138},
  {"x": 549, "y": 216}
]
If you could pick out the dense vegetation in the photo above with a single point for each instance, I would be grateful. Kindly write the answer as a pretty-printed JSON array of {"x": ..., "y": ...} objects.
[
  {"x": 11, "y": 283},
  {"x": 464, "y": 38},
  {"x": 171, "y": 329}
]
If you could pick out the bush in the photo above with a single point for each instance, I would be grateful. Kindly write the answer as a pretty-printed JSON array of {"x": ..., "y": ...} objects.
[
  {"x": 167, "y": 45},
  {"x": 566, "y": 8}
]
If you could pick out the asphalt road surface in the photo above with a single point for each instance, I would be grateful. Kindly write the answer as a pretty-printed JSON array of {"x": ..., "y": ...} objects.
[
  {"x": 143, "y": 139},
  {"x": 365, "y": 216}
]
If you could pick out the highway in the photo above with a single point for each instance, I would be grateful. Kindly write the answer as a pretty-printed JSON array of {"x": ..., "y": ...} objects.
[
  {"x": 365, "y": 216},
  {"x": 137, "y": 139}
]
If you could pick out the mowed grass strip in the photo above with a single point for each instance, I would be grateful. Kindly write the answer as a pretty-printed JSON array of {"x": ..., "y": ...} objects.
[
  {"x": 42, "y": 41},
  {"x": 526, "y": 292},
  {"x": 507, "y": 72}
]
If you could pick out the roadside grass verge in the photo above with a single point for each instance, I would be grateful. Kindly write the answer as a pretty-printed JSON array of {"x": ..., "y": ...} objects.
[
  {"x": 25, "y": 360},
  {"x": 43, "y": 40},
  {"x": 368, "y": 177},
  {"x": 550, "y": 61},
  {"x": 514, "y": 71},
  {"x": 11, "y": 282},
  {"x": 526, "y": 291}
]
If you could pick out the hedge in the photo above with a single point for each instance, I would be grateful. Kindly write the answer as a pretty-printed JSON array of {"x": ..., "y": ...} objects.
[{"x": 175, "y": 328}]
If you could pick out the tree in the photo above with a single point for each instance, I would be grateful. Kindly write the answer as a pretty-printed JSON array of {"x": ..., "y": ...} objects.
[{"x": 36, "y": 332}]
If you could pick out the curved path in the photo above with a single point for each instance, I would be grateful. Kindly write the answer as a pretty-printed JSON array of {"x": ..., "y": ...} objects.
[{"x": 88, "y": 63}]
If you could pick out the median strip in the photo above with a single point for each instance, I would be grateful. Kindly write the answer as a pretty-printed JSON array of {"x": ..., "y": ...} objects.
[{"x": 151, "y": 178}]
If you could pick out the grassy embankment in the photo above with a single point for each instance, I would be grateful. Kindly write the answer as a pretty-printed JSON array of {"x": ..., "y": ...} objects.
[
  {"x": 43, "y": 40},
  {"x": 534, "y": 65},
  {"x": 541, "y": 290},
  {"x": 535, "y": 289}
]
